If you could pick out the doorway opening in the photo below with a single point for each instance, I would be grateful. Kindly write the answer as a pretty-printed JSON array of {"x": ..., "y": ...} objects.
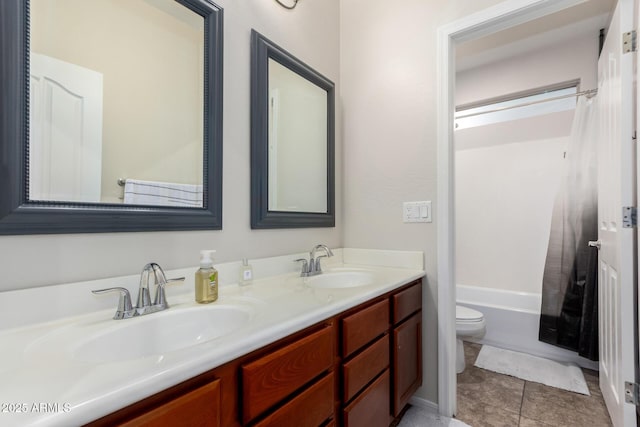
[{"x": 505, "y": 15}]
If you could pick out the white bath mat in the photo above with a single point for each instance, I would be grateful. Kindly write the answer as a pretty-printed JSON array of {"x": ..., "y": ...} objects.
[
  {"x": 567, "y": 376},
  {"x": 418, "y": 417}
]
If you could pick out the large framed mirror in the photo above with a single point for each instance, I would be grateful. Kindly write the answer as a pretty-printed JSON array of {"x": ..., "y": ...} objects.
[
  {"x": 110, "y": 116},
  {"x": 292, "y": 140}
]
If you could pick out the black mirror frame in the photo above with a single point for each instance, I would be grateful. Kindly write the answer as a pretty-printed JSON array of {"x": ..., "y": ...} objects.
[
  {"x": 20, "y": 216},
  {"x": 261, "y": 217}
]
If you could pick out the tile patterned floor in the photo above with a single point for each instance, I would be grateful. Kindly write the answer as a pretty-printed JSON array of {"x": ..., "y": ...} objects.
[{"x": 489, "y": 399}]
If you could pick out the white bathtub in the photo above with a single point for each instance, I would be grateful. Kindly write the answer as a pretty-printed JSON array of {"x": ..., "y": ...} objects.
[{"x": 512, "y": 322}]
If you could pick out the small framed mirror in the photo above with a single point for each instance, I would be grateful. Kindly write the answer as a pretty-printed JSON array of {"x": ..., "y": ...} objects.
[
  {"x": 110, "y": 128},
  {"x": 292, "y": 141}
]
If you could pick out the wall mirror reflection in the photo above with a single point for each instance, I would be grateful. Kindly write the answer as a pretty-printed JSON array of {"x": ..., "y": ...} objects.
[
  {"x": 122, "y": 114},
  {"x": 292, "y": 141},
  {"x": 106, "y": 105}
]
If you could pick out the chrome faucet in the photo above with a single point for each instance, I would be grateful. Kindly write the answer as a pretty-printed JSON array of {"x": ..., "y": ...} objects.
[
  {"x": 143, "y": 306},
  {"x": 313, "y": 266}
]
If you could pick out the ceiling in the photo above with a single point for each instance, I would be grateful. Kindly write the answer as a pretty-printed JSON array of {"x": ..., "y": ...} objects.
[{"x": 586, "y": 18}]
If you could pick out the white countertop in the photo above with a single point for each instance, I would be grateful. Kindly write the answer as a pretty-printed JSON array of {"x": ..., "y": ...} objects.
[{"x": 43, "y": 381}]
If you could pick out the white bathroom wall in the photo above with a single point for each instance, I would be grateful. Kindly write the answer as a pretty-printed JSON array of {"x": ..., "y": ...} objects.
[
  {"x": 388, "y": 77},
  {"x": 507, "y": 174},
  {"x": 559, "y": 62},
  {"x": 504, "y": 197},
  {"x": 311, "y": 32}
]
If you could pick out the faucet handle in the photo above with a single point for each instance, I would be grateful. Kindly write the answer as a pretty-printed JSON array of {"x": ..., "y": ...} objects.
[
  {"x": 144, "y": 300},
  {"x": 160, "y": 298},
  {"x": 318, "y": 267},
  {"x": 305, "y": 266},
  {"x": 125, "y": 310}
]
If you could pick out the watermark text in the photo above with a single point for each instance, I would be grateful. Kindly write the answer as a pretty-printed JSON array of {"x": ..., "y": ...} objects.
[{"x": 33, "y": 407}]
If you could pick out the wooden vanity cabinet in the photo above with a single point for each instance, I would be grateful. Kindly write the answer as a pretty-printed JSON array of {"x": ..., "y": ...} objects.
[
  {"x": 286, "y": 383},
  {"x": 406, "y": 345},
  {"x": 196, "y": 402},
  {"x": 199, "y": 407},
  {"x": 273, "y": 377},
  {"x": 358, "y": 368},
  {"x": 371, "y": 407},
  {"x": 363, "y": 326},
  {"x": 363, "y": 368},
  {"x": 365, "y": 357},
  {"x": 382, "y": 357},
  {"x": 313, "y": 407}
]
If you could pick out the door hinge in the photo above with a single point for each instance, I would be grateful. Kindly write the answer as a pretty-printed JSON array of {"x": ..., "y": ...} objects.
[
  {"x": 632, "y": 393},
  {"x": 629, "y": 217},
  {"x": 629, "y": 42}
]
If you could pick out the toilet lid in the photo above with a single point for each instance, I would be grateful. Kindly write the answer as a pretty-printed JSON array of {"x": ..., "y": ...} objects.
[{"x": 467, "y": 314}]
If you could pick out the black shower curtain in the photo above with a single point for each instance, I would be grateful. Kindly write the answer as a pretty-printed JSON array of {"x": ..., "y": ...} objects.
[{"x": 569, "y": 313}]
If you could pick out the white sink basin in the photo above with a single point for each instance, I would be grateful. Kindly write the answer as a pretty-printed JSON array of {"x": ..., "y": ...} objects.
[
  {"x": 160, "y": 333},
  {"x": 341, "y": 279}
]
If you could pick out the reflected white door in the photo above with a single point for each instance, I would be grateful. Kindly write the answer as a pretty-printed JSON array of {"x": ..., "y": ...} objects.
[
  {"x": 65, "y": 131},
  {"x": 274, "y": 117},
  {"x": 616, "y": 188}
]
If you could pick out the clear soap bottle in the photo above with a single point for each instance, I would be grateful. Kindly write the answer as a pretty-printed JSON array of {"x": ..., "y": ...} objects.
[
  {"x": 246, "y": 273},
  {"x": 206, "y": 279}
]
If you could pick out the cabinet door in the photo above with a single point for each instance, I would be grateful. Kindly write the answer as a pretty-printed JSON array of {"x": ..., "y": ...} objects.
[
  {"x": 407, "y": 361},
  {"x": 371, "y": 407},
  {"x": 200, "y": 407}
]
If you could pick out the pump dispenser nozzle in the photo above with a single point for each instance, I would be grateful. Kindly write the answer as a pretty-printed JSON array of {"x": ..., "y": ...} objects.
[{"x": 206, "y": 258}]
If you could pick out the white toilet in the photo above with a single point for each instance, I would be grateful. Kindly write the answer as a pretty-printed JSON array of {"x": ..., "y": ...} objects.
[{"x": 469, "y": 324}]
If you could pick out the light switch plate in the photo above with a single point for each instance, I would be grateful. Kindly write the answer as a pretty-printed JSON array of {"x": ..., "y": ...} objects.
[{"x": 416, "y": 211}]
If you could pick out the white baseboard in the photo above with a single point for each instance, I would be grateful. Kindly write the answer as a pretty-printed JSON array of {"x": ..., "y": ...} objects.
[{"x": 424, "y": 404}]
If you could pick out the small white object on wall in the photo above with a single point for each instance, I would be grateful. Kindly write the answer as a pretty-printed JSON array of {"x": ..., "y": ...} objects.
[{"x": 416, "y": 211}]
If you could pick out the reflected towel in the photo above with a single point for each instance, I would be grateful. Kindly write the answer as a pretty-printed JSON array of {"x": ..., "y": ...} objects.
[{"x": 138, "y": 192}]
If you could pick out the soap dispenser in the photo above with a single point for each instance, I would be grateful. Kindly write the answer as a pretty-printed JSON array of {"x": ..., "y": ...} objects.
[
  {"x": 206, "y": 279},
  {"x": 246, "y": 273}
]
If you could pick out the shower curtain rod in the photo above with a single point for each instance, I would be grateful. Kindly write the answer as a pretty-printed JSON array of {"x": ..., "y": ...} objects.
[{"x": 589, "y": 93}]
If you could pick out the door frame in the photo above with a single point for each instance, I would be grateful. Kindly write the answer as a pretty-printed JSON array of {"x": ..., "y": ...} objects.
[
  {"x": 636, "y": 26},
  {"x": 504, "y": 15}
]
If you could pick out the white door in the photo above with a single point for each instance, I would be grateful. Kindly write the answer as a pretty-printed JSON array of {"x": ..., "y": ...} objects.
[
  {"x": 65, "y": 131},
  {"x": 616, "y": 188}
]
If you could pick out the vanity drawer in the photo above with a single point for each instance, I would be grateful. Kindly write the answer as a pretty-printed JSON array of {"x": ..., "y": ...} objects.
[
  {"x": 363, "y": 368},
  {"x": 271, "y": 378},
  {"x": 310, "y": 408},
  {"x": 364, "y": 326},
  {"x": 372, "y": 407},
  {"x": 199, "y": 407},
  {"x": 407, "y": 302}
]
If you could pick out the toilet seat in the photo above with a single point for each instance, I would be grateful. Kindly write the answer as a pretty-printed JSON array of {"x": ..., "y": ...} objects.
[
  {"x": 466, "y": 314},
  {"x": 469, "y": 322}
]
